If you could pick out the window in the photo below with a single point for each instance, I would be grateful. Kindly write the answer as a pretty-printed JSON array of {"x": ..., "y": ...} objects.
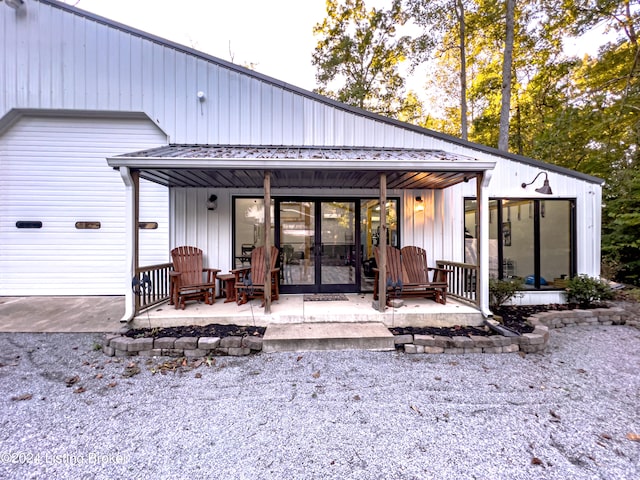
[
  {"x": 248, "y": 228},
  {"x": 528, "y": 239}
]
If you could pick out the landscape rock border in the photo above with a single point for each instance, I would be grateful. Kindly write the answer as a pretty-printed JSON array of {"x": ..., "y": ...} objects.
[
  {"x": 536, "y": 341},
  {"x": 533, "y": 342}
]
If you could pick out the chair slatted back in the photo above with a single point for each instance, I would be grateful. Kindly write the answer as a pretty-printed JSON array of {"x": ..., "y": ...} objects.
[
  {"x": 395, "y": 270},
  {"x": 258, "y": 266},
  {"x": 414, "y": 260},
  {"x": 188, "y": 261}
]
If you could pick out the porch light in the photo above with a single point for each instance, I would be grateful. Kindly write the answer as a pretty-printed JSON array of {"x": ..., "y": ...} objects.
[
  {"x": 419, "y": 206},
  {"x": 15, "y": 4},
  {"x": 212, "y": 202},
  {"x": 545, "y": 188}
]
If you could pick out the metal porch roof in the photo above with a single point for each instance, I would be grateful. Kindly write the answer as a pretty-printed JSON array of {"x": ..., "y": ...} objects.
[{"x": 242, "y": 166}]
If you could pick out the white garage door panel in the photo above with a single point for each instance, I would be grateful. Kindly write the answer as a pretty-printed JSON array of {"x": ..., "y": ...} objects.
[{"x": 54, "y": 170}]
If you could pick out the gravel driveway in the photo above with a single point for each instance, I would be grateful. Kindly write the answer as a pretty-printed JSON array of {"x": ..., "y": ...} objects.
[{"x": 573, "y": 412}]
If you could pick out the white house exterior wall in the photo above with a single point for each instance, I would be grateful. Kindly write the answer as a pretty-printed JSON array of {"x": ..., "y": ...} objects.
[{"x": 54, "y": 59}]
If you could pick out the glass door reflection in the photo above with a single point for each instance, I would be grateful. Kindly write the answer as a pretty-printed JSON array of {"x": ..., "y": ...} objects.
[
  {"x": 297, "y": 240},
  {"x": 337, "y": 244}
]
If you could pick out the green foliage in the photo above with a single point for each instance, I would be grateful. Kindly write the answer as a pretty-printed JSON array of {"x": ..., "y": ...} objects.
[
  {"x": 621, "y": 226},
  {"x": 358, "y": 56},
  {"x": 501, "y": 291},
  {"x": 586, "y": 291}
]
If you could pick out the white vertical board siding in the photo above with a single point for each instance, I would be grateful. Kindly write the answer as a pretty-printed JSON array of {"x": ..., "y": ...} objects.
[
  {"x": 56, "y": 59},
  {"x": 210, "y": 230},
  {"x": 54, "y": 170}
]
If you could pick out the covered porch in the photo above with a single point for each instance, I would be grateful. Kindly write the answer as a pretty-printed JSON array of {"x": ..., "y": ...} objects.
[
  {"x": 279, "y": 171},
  {"x": 291, "y": 308}
]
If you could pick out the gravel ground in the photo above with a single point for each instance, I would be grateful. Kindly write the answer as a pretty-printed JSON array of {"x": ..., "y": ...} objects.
[{"x": 571, "y": 412}]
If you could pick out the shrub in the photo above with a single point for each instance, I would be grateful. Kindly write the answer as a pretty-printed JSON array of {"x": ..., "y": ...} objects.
[
  {"x": 585, "y": 291},
  {"x": 501, "y": 291}
]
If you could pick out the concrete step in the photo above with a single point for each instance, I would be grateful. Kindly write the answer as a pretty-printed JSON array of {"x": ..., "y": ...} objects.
[{"x": 305, "y": 337}]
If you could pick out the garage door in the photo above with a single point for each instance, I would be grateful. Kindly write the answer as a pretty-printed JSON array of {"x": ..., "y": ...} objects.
[{"x": 62, "y": 209}]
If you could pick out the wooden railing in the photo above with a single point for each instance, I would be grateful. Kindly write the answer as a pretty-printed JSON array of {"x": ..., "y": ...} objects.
[
  {"x": 152, "y": 285},
  {"x": 462, "y": 280}
]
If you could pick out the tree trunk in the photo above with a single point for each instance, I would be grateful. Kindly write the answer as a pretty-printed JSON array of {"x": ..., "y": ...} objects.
[
  {"x": 503, "y": 138},
  {"x": 459, "y": 9}
]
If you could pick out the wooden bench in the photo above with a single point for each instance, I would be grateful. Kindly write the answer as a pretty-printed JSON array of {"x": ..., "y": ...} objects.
[{"x": 408, "y": 275}]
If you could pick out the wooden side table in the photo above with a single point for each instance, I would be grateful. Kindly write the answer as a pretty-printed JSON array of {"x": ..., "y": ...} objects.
[{"x": 227, "y": 287}]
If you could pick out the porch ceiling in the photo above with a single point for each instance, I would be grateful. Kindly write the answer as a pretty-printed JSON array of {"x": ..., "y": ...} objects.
[{"x": 224, "y": 166}]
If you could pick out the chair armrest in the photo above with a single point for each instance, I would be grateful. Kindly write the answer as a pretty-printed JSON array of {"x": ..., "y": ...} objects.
[
  {"x": 241, "y": 270},
  {"x": 240, "y": 273},
  {"x": 211, "y": 274}
]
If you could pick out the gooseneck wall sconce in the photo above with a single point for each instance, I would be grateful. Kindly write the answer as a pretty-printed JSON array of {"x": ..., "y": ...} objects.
[{"x": 545, "y": 188}]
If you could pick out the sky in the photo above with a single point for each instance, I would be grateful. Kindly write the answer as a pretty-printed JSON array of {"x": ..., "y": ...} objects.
[{"x": 275, "y": 37}]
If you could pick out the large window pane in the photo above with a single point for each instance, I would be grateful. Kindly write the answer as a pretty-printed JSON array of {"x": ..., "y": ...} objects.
[
  {"x": 370, "y": 235},
  {"x": 249, "y": 228},
  {"x": 518, "y": 257},
  {"x": 555, "y": 242},
  {"x": 514, "y": 250}
]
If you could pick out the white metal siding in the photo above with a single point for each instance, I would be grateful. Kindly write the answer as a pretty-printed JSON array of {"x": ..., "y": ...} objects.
[{"x": 54, "y": 170}]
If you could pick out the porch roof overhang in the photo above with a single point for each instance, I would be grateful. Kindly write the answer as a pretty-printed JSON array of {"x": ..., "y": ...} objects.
[{"x": 242, "y": 166}]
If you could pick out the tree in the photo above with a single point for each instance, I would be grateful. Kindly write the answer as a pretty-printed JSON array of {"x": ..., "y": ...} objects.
[
  {"x": 441, "y": 20},
  {"x": 358, "y": 56},
  {"x": 507, "y": 62}
]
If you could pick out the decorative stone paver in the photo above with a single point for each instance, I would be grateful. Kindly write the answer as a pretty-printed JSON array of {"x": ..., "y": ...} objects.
[{"x": 536, "y": 341}]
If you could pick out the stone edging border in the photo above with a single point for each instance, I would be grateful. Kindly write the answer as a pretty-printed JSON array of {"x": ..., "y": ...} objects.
[
  {"x": 122, "y": 346},
  {"x": 536, "y": 341}
]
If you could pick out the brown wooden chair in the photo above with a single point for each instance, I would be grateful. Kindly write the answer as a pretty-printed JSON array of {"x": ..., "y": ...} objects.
[
  {"x": 418, "y": 271},
  {"x": 189, "y": 280},
  {"x": 408, "y": 275},
  {"x": 250, "y": 281}
]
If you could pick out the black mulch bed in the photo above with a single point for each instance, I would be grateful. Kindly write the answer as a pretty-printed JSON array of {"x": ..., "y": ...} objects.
[
  {"x": 513, "y": 317},
  {"x": 212, "y": 330}
]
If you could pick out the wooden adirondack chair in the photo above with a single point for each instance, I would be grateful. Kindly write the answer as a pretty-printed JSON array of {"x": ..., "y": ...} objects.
[
  {"x": 189, "y": 280},
  {"x": 396, "y": 278},
  {"x": 250, "y": 281},
  {"x": 408, "y": 275},
  {"x": 414, "y": 262}
]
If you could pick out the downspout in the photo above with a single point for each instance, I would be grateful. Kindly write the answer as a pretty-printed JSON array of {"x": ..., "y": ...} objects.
[
  {"x": 482, "y": 184},
  {"x": 130, "y": 243},
  {"x": 483, "y": 207}
]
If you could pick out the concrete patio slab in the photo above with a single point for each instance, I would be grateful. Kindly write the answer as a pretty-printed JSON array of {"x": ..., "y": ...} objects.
[{"x": 84, "y": 314}]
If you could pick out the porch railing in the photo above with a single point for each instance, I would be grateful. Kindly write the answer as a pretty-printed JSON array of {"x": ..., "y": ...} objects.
[
  {"x": 462, "y": 280},
  {"x": 152, "y": 286}
]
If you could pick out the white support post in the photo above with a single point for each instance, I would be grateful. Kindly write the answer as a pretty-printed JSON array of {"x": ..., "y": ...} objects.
[
  {"x": 483, "y": 241},
  {"x": 131, "y": 183}
]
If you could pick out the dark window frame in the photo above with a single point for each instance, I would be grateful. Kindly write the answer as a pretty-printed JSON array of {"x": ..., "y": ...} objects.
[{"x": 537, "y": 202}]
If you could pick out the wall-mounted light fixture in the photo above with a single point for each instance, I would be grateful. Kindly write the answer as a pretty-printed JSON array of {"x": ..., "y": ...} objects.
[
  {"x": 545, "y": 188},
  {"x": 15, "y": 4},
  {"x": 419, "y": 205},
  {"x": 212, "y": 202},
  {"x": 201, "y": 96}
]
